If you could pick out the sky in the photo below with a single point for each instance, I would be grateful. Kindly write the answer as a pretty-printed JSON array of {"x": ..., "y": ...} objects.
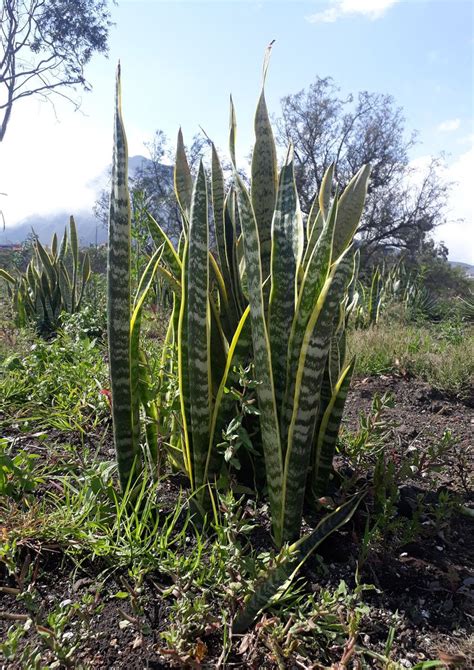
[{"x": 180, "y": 61}]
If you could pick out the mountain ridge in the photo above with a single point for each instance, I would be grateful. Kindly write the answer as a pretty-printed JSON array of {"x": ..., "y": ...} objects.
[{"x": 90, "y": 230}]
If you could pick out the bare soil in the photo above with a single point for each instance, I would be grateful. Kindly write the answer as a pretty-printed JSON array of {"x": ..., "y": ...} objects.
[{"x": 426, "y": 585}]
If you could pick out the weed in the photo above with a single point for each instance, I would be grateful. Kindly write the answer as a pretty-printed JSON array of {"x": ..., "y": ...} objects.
[
  {"x": 17, "y": 471},
  {"x": 55, "y": 385}
]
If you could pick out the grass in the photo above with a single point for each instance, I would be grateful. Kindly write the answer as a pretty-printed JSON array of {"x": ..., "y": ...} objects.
[
  {"x": 55, "y": 385},
  {"x": 63, "y": 522},
  {"x": 201, "y": 576},
  {"x": 440, "y": 353}
]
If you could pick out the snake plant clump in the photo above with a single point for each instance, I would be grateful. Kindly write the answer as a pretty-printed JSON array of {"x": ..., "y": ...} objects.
[
  {"x": 54, "y": 282},
  {"x": 276, "y": 294}
]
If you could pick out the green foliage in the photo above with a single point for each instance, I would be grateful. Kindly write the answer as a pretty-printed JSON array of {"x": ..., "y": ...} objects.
[
  {"x": 277, "y": 307},
  {"x": 287, "y": 564},
  {"x": 17, "y": 471},
  {"x": 54, "y": 282},
  {"x": 372, "y": 451},
  {"x": 55, "y": 385},
  {"x": 430, "y": 291}
]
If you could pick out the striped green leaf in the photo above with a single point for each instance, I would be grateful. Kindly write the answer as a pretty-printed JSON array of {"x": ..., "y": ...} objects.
[
  {"x": 287, "y": 249},
  {"x": 199, "y": 326},
  {"x": 351, "y": 205},
  {"x": 183, "y": 368},
  {"x": 277, "y": 579},
  {"x": 65, "y": 286},
  {"x": 262, "y": 359},
  {"x": 218, "y": 199},
  {"x": 326, "y": 190},
  {"x": 224, "y": 404},
  {"x": 232, "y": 249},
  {"x": 183, "y": 182},
  {"x": 47, "y": 263},
  {"x": 264, "y": 177},
  {"x": 136, "y": 359},
  {"x": 313, "y": 281},
  {"x": 7, "y": 276},
  {"x": 161, "y": 240},
  {"x": 54, "y": 245},
  {"x": 328, "y": 432},
  {"x": 75, "y": 260},
  {"x": 118, "y": 304},
  {"x": 63, "y": 247},
  {"x": 86, "y": 275},
  {"x": 305, "y": 401},
  {"x": 218, "y": 346}
]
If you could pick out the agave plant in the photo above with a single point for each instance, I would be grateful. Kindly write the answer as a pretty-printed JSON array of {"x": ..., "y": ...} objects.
[
  {"x": 54, "y": 282},
  {"x": 276, "y": 294}
]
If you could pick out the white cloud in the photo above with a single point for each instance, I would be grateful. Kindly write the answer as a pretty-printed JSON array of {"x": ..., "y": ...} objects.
[
  {"x": 372, "y": 9},
  {"x": 449, "y": 125},
  {"x": 50, "y": 165},
  {"x": 459, "y": 234}
]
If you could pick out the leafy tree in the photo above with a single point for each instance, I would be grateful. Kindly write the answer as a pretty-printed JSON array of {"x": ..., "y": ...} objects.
[
  {"x": 45, "y": 45},
  {"x": 404, "y": 204}
]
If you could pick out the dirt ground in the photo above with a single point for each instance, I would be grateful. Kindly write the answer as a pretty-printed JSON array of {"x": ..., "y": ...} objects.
[{"x": 426, "y": 585}]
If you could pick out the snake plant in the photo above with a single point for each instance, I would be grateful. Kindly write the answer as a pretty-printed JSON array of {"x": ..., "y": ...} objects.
[
  {"x": 128, "y": 366},
  {"x": 54, "y": 282},
  {"x": 276, "y": 293}
]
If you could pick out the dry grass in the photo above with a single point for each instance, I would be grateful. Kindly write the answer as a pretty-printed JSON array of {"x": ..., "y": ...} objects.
[{"x": 442, "y": 354}]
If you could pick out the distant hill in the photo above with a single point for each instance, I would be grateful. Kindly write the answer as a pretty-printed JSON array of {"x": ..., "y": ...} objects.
[
  {"x": 91, "y": 231},
  {"x": 468, "y": 269}
]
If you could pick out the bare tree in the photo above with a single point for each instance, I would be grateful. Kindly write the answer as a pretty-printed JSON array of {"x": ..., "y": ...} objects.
[
  {"x": 404, "y": 204},
  {"x": 44, "y": 47}
]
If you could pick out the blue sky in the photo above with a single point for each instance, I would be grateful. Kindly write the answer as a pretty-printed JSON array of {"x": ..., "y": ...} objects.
[{"x": 181, "y": 60}]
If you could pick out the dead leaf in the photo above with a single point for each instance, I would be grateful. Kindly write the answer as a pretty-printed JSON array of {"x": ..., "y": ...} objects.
[{"x": 451, "y": 660}]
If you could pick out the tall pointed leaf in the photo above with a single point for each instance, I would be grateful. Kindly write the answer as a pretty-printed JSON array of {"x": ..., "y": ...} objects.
[
  {"x": 136, "y": 359},
  {"x": 305, "y": 401},
  {"x": 183, "y": 367},
  {"x": 75, "y": 260},
  {"x": 287, "y": 249},
  {"x": 313, "y": 282},
  {"x": 264, "y": 177},
  {"x": 198, "y": 326},
  {"x": 223, "y": 404},
  {"x": 63, "y": 246},
  {"x": 328, "y": 432},
  {"x": 118, "y": 304},
  {"x": 183, "y": 182},
  {"x": 218, "y": 197},
  {"x": 46, "y": 262},
  {"x": 351, "y": 205},
  {"x": 54, "y": 245},
  {"x": 262, "y": 359},
  {"x": 161, "y": 239},
  {"x": 290, "y": 562},
  {"x": 326, "y": 190}
]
